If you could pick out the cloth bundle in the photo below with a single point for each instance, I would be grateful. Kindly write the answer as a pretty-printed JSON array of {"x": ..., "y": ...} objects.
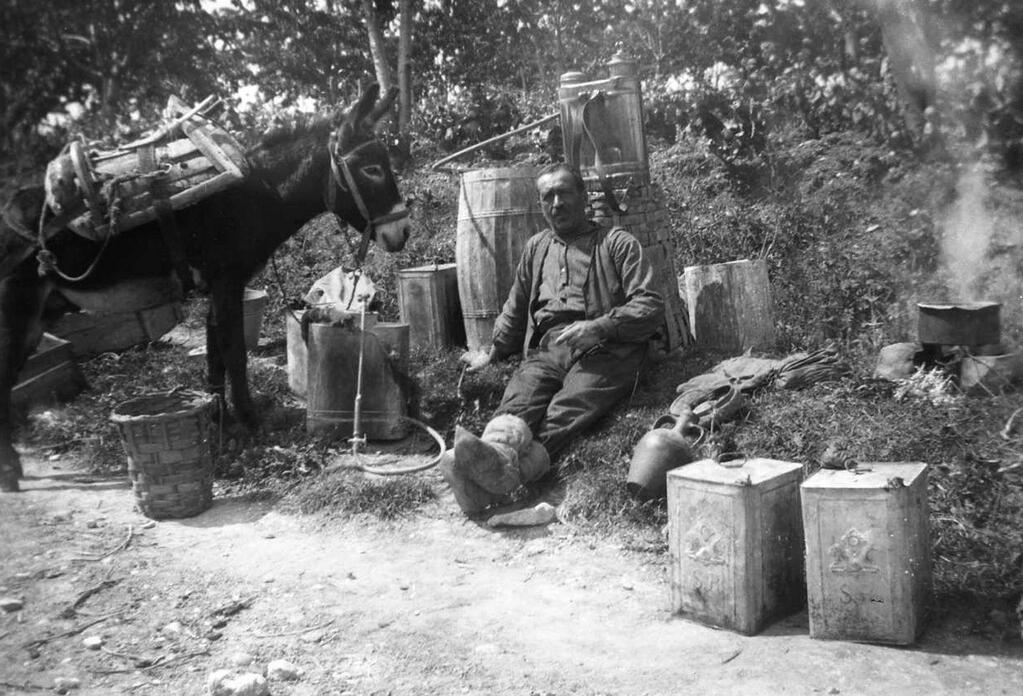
[{"x": 717, "y": 396}]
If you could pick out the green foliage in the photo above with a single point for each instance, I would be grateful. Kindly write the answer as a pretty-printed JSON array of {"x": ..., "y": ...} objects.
[
  {"x": 293, "y": 49},
  {"x": 842, "y": 223},
  {"x": 111, "y": 56}
]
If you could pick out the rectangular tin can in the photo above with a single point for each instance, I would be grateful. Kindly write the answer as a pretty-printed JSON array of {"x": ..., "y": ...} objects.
[
  {"x": 736, "y": 541},
  {"x": 868, "y": 552},
  {"x": 428, "y": 302}
]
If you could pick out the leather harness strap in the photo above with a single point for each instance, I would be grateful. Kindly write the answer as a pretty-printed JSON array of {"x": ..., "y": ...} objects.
[
  {"x": 13, "y": 260},
  {"x": 341, "y": 172},
  {"x": 165, "y": 215}
]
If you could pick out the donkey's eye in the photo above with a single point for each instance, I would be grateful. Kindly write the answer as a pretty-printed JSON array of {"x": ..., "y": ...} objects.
[{"x": 373, "y": 171}]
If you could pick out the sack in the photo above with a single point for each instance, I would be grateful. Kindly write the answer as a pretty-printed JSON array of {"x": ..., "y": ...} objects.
[
  {"x": 339, "y": 289},
  {"x": 897, "y": 361}
]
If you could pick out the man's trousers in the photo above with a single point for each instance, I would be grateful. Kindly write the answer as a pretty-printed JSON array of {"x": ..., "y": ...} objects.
[{"x": 560, "y": 393}]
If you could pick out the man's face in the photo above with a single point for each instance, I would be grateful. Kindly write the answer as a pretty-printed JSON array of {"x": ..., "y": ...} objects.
[{"x": 563, "y": 205}]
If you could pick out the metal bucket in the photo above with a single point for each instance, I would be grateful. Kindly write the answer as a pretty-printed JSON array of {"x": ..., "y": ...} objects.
[{"x": 253, "y": 304}]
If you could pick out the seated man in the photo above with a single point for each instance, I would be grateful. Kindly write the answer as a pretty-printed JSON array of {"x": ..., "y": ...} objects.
[{"x": 583, "y": 307}]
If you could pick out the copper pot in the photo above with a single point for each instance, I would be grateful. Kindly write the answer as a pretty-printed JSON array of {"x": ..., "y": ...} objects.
[{"x": 959, "y": 323}]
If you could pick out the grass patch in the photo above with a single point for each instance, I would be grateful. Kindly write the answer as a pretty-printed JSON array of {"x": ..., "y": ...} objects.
[{"x": 346, "y": 494}]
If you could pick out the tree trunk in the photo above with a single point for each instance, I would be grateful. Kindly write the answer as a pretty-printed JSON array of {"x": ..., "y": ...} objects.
[
  {"x": 109, "y": 94},
  {"x": 404, "y": 139},
  {"x": 376, "y": 45},
  {"x": 404, "y": 67},
  {"x": 730, "y": 306},
  {"x": 910, "y": 57}
]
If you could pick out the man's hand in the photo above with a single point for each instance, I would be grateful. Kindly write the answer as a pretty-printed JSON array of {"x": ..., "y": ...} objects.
[
  {"x": 580, "y": 335},
  {"x": 477, "y": 360}
]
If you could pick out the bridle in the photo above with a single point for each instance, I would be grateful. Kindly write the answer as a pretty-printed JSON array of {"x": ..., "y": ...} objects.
[{"x": 341, "y": 173}]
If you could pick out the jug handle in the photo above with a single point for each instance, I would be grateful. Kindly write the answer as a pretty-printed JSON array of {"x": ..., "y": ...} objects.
[{"x": 683, "y": 425}]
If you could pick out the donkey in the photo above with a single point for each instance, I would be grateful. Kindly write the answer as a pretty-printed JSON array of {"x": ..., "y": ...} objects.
[{"x": 298, "y": 172}]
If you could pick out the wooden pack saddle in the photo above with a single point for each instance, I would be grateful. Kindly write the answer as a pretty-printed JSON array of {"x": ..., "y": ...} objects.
[{"x": 182, "y": 162}]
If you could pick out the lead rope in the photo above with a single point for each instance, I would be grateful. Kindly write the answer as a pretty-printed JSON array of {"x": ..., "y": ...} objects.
[{"x": 48, "y": 260}]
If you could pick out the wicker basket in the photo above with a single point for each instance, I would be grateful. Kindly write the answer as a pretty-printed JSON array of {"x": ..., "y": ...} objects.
[{"x": 167, "y": 440}]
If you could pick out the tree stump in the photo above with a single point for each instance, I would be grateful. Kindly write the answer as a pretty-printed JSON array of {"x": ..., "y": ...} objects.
[{"x": 730, "y": 306}]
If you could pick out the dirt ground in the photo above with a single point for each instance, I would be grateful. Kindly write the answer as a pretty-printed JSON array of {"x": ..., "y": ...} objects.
[{"x": 430, "y": 605}]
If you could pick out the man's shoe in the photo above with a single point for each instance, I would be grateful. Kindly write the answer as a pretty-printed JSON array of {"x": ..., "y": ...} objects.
[
  {"x": 492, "y": 465},
  {"x": 469, "y": 496}
]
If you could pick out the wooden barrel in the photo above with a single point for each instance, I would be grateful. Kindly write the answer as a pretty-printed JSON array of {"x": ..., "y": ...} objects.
[{"x": 498, "y": 210}]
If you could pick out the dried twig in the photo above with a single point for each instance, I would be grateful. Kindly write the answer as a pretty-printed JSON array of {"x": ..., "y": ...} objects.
[
  {"x": 120, "y": 547},
  {"x": 138, "y": 660},
  {"x": 74, "y": 631},
  {"x": 69, "y": 612},
  {"x": 163, "y": 661},
  {"x": 234, "y": 607},
  {"x": 731, "y": 657},
  {"x": 1009, "y": 467},
  {"x": 24, "y": 687},
  {"x": 1007, "y": 430},
  {"x": 295, "y": 633}
]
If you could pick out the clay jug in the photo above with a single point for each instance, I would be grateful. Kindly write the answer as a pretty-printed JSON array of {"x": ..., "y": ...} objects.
[{"x": 669, "y": 444}]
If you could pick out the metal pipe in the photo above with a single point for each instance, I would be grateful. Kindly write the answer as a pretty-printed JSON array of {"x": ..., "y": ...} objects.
[
  {"x": 357, "y": 438},
  {"x": 496, "y": 138}
]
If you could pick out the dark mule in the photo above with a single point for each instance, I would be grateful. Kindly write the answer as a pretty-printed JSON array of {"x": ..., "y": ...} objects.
[{"x": 298, "y": 173}]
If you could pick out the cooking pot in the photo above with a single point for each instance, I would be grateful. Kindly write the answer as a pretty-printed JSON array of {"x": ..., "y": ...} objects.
[{"x": 959, "y": 323}]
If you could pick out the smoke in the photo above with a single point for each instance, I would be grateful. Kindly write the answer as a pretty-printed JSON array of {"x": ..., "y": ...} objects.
[{"x": 966, "y": 238}]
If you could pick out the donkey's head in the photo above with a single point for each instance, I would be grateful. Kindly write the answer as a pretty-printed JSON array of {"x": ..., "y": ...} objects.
[{"x": 363, "y": 189}]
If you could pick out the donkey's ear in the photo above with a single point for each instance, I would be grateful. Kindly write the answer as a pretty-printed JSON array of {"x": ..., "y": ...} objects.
[
  {"x": 364, "y": 106},
  {"x": 383, "y": 106},
  {"x": 344, "y": 137}
]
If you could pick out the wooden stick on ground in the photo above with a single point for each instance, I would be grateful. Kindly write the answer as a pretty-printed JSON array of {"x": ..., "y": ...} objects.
[
  {"x": 24, "y": 687},
  {"x": 69, "y": 612},
  {"x": 295, "y": 633},
  {"x": 74, "y": 631},
  {"x": 163, "y": 662},
  {"x": 120, "y": 547}
]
